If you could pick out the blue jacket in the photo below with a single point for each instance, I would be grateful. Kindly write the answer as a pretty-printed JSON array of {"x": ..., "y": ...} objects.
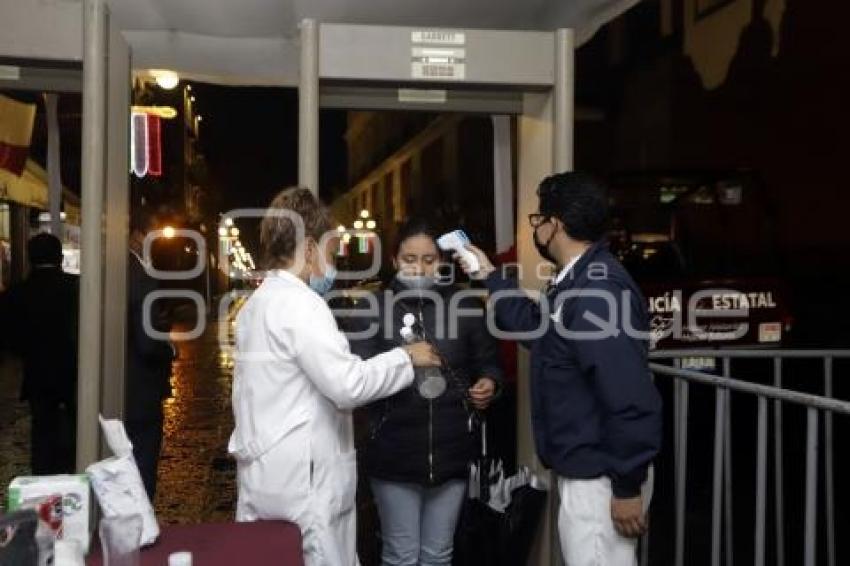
[{"x": 595, "y": 410}]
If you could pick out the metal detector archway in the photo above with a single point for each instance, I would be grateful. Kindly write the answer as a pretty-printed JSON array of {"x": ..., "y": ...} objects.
[{"x": 528, "y": 74}]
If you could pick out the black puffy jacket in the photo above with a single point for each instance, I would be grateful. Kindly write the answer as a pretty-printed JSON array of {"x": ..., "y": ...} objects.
[{"x": 412, "y": 439}]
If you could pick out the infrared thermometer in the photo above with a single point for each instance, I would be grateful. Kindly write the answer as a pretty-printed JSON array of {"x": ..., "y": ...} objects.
[{"x": 456, "y": 242}]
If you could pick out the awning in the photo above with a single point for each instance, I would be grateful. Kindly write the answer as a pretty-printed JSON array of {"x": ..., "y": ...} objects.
[
  {"x": 256, "y": 41},
  {"x": 30, "y": 189}
]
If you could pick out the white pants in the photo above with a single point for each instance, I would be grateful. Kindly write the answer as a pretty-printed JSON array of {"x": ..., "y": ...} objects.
[{"x": 585, "y": 528}]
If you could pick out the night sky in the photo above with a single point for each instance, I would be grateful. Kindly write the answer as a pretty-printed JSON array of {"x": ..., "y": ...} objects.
[{"x": 250, "y": 139}]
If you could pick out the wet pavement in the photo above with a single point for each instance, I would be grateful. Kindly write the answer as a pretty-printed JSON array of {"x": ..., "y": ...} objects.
[
  {"x": 14, "y": 427},
  {"x": 196, "y": 477}
]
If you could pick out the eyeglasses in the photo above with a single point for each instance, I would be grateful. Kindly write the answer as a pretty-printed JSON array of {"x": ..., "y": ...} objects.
[{"x": 537, "y": 219}]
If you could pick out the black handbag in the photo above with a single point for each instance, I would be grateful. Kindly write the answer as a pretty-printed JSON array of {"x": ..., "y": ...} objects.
[{"x": 18, "y": 546}]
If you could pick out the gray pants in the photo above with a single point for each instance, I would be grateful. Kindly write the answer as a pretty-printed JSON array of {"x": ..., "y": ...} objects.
[{"x": 418, "y": 523}]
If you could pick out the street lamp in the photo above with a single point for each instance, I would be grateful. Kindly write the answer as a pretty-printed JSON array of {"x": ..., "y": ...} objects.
[
  {"x": 230, "y": 245},
  {"x": 363, "y": 236}
]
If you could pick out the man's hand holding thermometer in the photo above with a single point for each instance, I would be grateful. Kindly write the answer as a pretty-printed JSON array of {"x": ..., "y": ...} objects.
[{"x": 472, "y": 260}]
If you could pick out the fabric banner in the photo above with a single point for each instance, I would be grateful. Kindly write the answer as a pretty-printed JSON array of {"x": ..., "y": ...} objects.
[{"x": 16, "y": 123}]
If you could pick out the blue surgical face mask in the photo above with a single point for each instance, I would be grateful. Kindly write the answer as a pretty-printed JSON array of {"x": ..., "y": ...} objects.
[{"x": 322, "y": 284}]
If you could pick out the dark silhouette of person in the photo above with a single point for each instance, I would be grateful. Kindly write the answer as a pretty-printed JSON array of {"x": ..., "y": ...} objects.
[
  {"x": 40, "y": 325},
  {"x": 148, "y": 358}
]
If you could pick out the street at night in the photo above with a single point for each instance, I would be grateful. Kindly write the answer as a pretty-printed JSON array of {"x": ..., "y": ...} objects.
[
  {"x": 346, "y": 283},
  {"x": 196, "y": 477}
]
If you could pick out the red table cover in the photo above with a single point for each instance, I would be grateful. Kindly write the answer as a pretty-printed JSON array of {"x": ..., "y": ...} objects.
[{"x": 241, "y": 544}]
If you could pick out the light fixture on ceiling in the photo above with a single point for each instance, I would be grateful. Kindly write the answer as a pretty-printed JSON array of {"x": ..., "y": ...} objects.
[{"x": 165, "y": 79}]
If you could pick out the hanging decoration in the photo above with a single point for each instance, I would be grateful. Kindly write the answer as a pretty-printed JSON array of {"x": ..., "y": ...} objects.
[
  {"x": 145, "y": 144},
  {"x": 16, "y": 124},
  {"x": 154, "y": 146},
  {"x": 139, "y": 144},
  {"x": 344, "y": 243}
]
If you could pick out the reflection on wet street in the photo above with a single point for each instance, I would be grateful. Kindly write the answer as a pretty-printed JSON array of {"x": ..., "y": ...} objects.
[
  {"x": 14, "y": 427},
  {"x": 196, "y": 476}
]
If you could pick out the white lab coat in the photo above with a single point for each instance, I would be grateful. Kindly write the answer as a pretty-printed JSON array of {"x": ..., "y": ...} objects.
[{"x": 294, "y": 385}]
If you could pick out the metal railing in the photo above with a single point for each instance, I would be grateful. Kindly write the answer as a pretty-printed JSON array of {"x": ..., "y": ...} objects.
[{"x": 722, "y": 473}]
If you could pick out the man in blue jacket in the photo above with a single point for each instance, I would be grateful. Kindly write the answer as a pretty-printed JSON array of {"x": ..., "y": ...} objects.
[{"x": 596, "y": 413}]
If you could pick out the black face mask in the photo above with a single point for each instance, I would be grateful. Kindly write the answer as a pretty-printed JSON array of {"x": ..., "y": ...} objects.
[{"x": 543, "y": 248}]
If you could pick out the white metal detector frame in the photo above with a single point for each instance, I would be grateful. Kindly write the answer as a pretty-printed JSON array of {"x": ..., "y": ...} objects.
[{"x": 530, "y": 74}]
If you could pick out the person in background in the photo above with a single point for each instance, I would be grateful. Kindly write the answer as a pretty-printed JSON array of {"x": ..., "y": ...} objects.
[
  {"x": 419, "y": 450},
  {"x": 296, "y": 382},
  {"x": 148, "y": 358},
  {"x": 40, "y": 322},
  {"x": 595, "y": 411}
]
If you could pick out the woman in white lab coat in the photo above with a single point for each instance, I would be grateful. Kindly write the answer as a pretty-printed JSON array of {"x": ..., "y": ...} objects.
[{"x": 295, "y": 384}]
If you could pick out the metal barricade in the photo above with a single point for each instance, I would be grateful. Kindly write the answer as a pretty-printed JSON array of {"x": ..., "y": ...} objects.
[{"x": 722, "y": 473}]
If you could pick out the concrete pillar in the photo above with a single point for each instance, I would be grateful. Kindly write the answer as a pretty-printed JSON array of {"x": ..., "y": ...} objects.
[
  {"x": 416, "y": 177},
  {"x": 451, "y": 155},
  {"x": 54, "y": 168}
]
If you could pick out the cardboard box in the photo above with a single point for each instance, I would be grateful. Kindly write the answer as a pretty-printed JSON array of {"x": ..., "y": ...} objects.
[{"x": 76, "y": 501}]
